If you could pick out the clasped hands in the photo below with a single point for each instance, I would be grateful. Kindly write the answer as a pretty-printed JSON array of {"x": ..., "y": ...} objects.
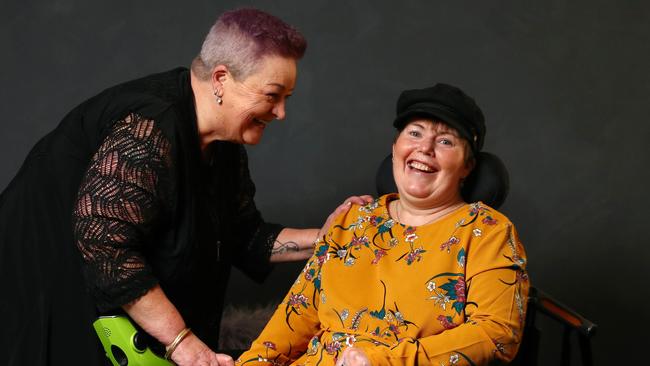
[{"x": 353, "y": 356}]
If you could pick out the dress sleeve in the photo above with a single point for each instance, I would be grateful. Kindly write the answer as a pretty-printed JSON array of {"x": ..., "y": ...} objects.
[
  {"x": 496, "y": 287},
  {"x": 254, "y": 238},
  {"x": 120, "y": 199},
  {"x": 295, "y": 325}
]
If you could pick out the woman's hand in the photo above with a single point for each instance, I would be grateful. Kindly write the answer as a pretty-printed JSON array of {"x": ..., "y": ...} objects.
[
  {"x": 159, "y": 317},
  {"x": 298, "y": 244},
  {"x": 344, "y": 207},
  {"x": 193, "y": 352},
  {"x": 353, "y": 356}
]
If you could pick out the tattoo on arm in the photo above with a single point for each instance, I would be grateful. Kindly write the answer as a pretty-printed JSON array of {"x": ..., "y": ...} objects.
[{"x": 280, "y": 248}]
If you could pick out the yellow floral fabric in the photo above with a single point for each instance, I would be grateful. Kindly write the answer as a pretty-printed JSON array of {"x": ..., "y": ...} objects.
[{"x": 452, "y": 292}]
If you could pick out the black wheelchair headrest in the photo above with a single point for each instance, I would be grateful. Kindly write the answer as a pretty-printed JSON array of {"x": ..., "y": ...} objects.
[{"x": 488, "y": 182}]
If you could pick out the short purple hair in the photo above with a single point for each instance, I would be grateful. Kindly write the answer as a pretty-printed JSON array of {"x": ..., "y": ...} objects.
[{"x": 240, "y": 38}]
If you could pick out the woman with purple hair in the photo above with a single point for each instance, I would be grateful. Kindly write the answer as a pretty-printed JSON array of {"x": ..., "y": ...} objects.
[{"x": 141, "y": 201}]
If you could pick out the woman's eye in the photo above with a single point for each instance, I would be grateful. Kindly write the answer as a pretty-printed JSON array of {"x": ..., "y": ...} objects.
[
  {"x": 272, "y": 97},
  {"x": 414, "y": 133},
  {"x": 445, "y": 141}
]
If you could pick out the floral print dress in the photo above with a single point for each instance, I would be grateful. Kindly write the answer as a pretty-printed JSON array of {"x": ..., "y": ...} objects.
[{"x": 452, "y": 292}]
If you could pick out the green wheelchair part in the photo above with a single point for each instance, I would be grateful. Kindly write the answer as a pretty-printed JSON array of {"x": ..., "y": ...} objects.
[{"x": 125, "y": 345}]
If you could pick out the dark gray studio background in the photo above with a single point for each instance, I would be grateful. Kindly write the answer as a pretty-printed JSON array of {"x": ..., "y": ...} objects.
[{"x": 565, "y": 87}]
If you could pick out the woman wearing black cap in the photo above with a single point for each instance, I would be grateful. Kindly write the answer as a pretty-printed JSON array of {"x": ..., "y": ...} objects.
[{"x": 418, "y": 277}]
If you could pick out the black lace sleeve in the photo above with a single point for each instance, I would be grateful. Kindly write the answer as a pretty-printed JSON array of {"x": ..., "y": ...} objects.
[
  {"x": 119, "y": 200},
  {"x": 254, "y": 236}
]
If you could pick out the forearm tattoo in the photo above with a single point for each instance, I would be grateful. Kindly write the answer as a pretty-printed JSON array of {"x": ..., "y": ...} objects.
[{"x": 281, "y": 248}]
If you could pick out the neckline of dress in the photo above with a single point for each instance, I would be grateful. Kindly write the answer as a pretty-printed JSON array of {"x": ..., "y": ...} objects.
[{"x": 388, "y": 199}]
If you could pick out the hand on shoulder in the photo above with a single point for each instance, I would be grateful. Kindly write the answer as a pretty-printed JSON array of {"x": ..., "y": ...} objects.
[{"x": 343, "y": 208}]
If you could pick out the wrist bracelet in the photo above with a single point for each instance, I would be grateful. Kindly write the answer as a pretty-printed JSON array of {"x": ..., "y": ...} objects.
[{"x": 179, "y": 338}]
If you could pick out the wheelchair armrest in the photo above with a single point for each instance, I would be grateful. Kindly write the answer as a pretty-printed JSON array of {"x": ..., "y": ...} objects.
[{"x": 555, "y": 309}]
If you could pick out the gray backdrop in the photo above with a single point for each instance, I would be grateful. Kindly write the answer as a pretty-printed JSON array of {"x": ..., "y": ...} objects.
[{"x": 564, "y": 85}]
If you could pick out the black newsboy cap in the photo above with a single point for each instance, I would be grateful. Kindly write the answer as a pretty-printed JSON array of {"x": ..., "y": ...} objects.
[{"x": 446, "y": 103}]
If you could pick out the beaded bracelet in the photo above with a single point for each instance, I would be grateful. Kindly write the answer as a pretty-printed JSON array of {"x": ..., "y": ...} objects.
[{"x": 179, "y": 338}]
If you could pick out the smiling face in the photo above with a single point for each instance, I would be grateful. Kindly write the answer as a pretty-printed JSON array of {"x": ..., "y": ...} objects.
[
  {"x": 429, "y": 162},
  {"x": 251, "y": 104}
]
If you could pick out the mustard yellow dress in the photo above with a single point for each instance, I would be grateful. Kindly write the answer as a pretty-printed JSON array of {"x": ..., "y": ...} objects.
[{"x": 452, "y": 292}]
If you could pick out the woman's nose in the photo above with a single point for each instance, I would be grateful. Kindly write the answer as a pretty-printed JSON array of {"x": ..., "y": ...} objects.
[
  {"x": 427, "y": 147},
  {"x": 279, "y": 110}
]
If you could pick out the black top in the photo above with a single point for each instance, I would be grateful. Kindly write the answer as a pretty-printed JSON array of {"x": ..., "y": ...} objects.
[{"x": 120, "y": 193}]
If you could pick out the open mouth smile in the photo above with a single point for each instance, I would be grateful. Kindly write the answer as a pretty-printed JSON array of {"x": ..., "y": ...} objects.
[
  {"x": 420, "y": 166},
  {"x": 261, "y": 121}
]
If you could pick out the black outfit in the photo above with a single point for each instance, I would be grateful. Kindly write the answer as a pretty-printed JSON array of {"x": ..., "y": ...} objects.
[{"x": 116, "y": 199}]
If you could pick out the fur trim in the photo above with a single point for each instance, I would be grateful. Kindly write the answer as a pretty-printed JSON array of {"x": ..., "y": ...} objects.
[{"x": 241, "y": 325}]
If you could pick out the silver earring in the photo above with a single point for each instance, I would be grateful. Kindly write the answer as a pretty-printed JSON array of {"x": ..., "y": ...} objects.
[{"x": 218, "y": 97}]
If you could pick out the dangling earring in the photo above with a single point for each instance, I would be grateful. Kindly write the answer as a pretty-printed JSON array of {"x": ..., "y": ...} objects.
[{"x": 218, "y": 97}]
